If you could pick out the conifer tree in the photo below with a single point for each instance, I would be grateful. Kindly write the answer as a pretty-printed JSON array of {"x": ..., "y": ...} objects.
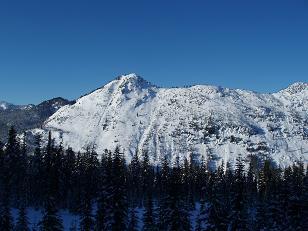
[
  {"x": 102, "y": 202},
  {"x": 201, "y": 222},
  {"x": 135, "y": 179},
  {"x": 163, "y": 209},
  {"x": 51, "y": 220},
  {"x": 37, "y": 174},
  {"x": 119, "y": 198},
  {"x": 262, "y": 198},
  {"x": 295, "y": 206},
  {"x": 106, "y": 200},
  {"x": 304, "y": 201},
  {"x": 21, "y": 174},
  {"x": 146, "y": 175},
  {"x": 239, "y": 212},
  {"x": 219, "y": 202},
  {"x": 86, "y": 218},
  {"x": 6, "y": 220},
  {"x": 178, "y": 215},
  {"x": 203, "y": 178},
  {"x": 251, "y": 192},
  {"x": 165, "y": 176},
  {"x": 22, "y": 220},
  {"x": 89, "y": 180},
  {"x": 133, "y": 220},
  {"x": 78, "y": 185},
  {"x": 251, "y": 182},
  {"x": 73, "y": 226},
  {"x": 1, "y": 163},
  {"x": 67, "y": 173},
  {"x": 188, "y": 183},
  {"x": 149, "y": 216},
  {"x": 50, "y": 180},
  {"x": 2, "y": 172},
  {"x": 11, "y": 165},
  {"x": 8, "y": 178}
]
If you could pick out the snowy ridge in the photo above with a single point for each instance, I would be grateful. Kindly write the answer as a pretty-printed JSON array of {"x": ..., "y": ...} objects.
[
  {"x": 214, "y": 122},
  {"x": 6, "y": 106}
]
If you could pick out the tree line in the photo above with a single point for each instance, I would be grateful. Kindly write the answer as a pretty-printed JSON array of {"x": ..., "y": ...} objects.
[{"x": 107, "y": 193}]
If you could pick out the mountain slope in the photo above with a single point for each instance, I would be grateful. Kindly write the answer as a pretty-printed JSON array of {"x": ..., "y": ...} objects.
[
  {"x": 214, "y": 122},
  {"x": 27, "y": 116}
]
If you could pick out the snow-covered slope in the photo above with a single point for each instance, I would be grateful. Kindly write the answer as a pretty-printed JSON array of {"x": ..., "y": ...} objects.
[{"x": 203, "y": 120}]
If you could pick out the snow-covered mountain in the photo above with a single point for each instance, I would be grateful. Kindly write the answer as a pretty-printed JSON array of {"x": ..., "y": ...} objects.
[{"x": 208, "y": 121}]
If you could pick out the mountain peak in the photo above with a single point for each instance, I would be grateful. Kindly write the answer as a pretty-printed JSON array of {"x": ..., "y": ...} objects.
[
  {"x": 296, "y": 88},
  {"x": 54, "y": 104},
  {"x": 131, "y": 76},
  {"x": 133, "y": 80}
]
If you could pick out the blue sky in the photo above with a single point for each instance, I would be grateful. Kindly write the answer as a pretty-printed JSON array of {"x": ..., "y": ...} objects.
[{"x": 67, "y": 48}]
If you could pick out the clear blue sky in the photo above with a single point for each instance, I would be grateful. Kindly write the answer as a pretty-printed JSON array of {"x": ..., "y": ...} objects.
[{"x": 67, "y": 48}]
